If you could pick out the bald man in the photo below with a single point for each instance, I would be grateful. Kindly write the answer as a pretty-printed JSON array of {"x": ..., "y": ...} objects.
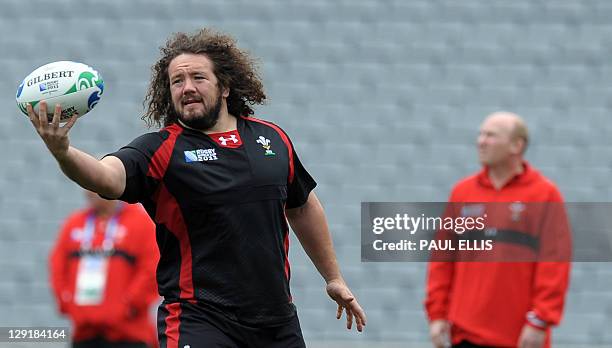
[{"x": 498, "y": 304}]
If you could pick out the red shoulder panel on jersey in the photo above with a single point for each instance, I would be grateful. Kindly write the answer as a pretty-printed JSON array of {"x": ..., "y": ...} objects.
[{"x": 161, "y": 157}]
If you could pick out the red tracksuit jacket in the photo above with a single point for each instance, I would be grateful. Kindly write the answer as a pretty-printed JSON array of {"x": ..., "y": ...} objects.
[
  {"x": 487, "y": 303},
  {"x": 130, "y": 286}
]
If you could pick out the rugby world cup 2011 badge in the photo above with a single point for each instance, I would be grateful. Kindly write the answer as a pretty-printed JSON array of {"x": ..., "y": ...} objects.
[
  {"x": 265, "y": 143},
  {"x": 200, "y": 155}
]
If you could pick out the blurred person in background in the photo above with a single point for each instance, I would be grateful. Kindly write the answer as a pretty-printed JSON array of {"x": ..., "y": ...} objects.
[
  {"x": 103, "y": 274},
  {"x": 500, "y": 304},
  {"x": 222, "y": 188}
]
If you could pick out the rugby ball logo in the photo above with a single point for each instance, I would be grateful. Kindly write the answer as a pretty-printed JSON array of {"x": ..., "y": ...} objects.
[{"x": 76, "y": 86}]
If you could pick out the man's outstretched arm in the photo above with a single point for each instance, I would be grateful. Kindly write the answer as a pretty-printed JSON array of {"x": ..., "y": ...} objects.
[
  {"x": 310, "y": 226},
  {"x": 106, "y": 176}
]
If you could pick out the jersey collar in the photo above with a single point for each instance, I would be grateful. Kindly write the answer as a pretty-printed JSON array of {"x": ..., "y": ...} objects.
[{"x": 518, "y": 179}]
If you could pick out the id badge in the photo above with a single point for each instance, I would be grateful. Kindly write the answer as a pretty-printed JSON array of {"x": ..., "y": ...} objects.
[{"x": 91, "y": 280}]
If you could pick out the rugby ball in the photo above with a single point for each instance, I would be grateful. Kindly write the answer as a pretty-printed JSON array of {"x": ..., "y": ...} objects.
[{"x": 75, "y": 86}]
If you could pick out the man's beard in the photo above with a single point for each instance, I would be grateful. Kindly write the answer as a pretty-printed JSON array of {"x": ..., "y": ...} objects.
[{"x": 206, "y": 120}]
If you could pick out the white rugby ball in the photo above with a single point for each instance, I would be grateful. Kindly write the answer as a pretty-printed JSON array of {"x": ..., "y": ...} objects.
[{"x": 75, "y": 86}]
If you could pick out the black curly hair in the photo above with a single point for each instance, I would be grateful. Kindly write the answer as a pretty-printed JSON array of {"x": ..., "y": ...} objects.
[{"x": 233, "y": 67}]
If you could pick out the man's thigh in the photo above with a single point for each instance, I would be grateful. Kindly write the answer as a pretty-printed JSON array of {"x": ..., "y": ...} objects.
[
  {"x": 288, "y": 335},
  {"x": 184, "y": 326},
  {"x": 188, "y": 326}
]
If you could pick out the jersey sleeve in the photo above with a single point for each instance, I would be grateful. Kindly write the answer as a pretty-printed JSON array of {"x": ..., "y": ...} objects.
[
  {"x": 300, "y": 186},
  {"x": 439, "y": 283},
  {"x": 551, "y": 279},
  {"x": 136, "y": 158},
  {"x": 440, "y": 274}
]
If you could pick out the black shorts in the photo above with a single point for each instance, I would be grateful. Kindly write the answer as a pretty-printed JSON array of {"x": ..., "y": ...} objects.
[{"x": 186, "y": 325}]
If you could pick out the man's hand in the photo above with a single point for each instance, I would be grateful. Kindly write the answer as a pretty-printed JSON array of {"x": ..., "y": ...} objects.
[
  {"x": 531, "y": 337},
  {"x": 54, "y": 136},
  {"x": 339, "y": 292},
  {"x": 439, "y": 331}
]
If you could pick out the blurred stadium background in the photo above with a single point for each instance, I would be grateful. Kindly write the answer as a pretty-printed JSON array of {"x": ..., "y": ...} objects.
[{"x": 382, "y": 98}]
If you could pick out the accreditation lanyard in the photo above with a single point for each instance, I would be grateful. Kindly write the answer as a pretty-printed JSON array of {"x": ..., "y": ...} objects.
[
  {"x": 90, "y": 229},
  {"x": 93, "y": 266}
]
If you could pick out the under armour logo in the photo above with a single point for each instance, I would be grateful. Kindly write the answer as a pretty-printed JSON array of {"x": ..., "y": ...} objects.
[{"x": 224, "y": 140}]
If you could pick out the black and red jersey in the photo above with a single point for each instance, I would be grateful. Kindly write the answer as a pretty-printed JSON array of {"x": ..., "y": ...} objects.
[{"x": 218, "y": 202}]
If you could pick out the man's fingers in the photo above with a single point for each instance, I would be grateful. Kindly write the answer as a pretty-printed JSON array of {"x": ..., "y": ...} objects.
[
  {"x": 361, "y": 315},
  {"x": 70, "y": 122},
  {"x": 357, "y": 311},
  {"x": 346, "y": 301},
  {"x": 32, "y": 115},
  {"x": 353, "y": 314},
  {"x": 349, "y": 319},
  {"x": 42, "y": 113},
  {"x": 360, "y": 321},
  {"x": 57, "y": 113}
]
